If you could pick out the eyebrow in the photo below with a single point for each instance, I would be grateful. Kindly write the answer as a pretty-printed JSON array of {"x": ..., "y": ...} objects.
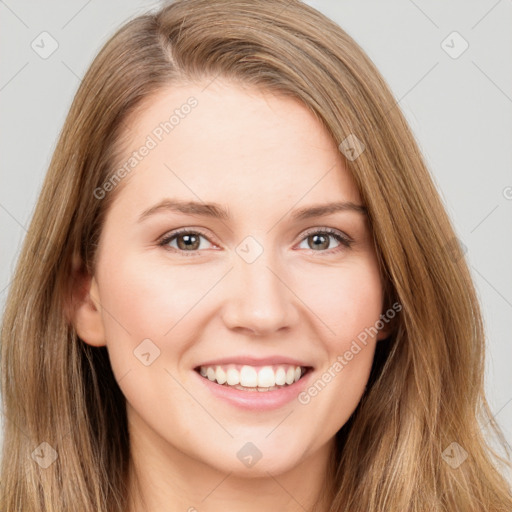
[{"x": 216, "y": 211}]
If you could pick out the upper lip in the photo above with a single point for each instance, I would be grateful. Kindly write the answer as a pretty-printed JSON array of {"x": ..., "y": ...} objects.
[{"x": 255, "y": 361}]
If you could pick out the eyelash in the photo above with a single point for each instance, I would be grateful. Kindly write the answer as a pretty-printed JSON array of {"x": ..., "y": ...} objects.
[{"x": 345, "y": 242}]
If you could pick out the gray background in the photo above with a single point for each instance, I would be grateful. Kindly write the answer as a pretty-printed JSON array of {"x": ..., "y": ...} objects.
[{"x": 458, "y": 106}]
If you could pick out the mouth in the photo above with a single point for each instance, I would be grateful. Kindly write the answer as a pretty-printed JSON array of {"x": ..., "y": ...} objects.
[{"x": 253, "y": 378}]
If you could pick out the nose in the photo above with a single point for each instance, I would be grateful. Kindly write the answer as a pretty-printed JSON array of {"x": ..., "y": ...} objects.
[{"x": 259, "y": 299}]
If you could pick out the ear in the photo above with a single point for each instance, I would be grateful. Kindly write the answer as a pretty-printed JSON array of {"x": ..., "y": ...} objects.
[
  {"x": 388, "y": 307},
  {"x": 85, "y": 313},
  {"x": 387, "y": 328},
  {"x": 385, "y": 331}
]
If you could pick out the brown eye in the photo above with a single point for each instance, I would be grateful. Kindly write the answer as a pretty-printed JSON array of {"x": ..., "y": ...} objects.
[
  {"x": 320, "y": 241},
  {"x": 187, "y": 241}
]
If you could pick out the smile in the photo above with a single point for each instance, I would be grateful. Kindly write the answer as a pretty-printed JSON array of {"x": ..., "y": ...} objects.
[{"x": 253, "y": 378}]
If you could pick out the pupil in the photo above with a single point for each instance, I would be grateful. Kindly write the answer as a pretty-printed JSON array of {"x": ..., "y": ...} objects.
[
  {"x": 319, "y": 237},
  {"x": 188, "y": 241}
]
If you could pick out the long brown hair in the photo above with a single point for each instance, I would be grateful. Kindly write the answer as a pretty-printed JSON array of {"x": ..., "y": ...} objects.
[{"x": 425, "y": 398}]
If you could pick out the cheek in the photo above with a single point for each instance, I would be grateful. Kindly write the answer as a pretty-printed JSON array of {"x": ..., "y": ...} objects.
[
  {"x": 146, "y": 312},
  {"x": 346, "y": 301},
  {"x": 349, "y": 308},
  {"x": 163, "y": 303},
  {"x": 147, "y": 300},
  {"x": 144, "y": 300},
  {"x": 137, "y": 305}
]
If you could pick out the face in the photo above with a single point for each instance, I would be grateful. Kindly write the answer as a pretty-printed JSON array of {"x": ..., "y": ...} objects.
[{"x": 254, "y": 296}]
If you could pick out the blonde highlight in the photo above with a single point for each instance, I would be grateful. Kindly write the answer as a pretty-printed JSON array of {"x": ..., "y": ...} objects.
[{"x": 426, "y": 389}]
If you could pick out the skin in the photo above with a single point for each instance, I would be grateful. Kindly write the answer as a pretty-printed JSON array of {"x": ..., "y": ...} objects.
[{"x": 261, "y": 156}]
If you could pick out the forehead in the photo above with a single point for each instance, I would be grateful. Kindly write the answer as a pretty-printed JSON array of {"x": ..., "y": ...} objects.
[{"x": 222, "y": 141}]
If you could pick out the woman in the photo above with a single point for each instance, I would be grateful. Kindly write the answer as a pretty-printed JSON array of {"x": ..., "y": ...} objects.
[{"x": 240, "y": 288}]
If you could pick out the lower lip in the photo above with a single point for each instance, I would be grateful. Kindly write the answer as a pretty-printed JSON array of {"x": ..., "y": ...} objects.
[{"x": 257, "y": 400}]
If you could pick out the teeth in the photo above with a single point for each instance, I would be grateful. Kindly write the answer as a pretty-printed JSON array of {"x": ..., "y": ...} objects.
[
  {"x": 280, "y": 376},
  {"x": 248, "y": 377},
  {"x": 265, "y": 378},
  {"x": 233, "y": 376},
  {"x": 220, "y": 375}
]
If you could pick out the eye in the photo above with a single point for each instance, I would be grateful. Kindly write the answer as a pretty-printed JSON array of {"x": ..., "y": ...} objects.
[
  {"x": 320, "y": 240},
  {"x": 187, "y": 241}
]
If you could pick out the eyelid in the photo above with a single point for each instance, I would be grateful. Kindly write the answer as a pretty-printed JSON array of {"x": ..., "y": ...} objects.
[{"x": 325, "y": 229}]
